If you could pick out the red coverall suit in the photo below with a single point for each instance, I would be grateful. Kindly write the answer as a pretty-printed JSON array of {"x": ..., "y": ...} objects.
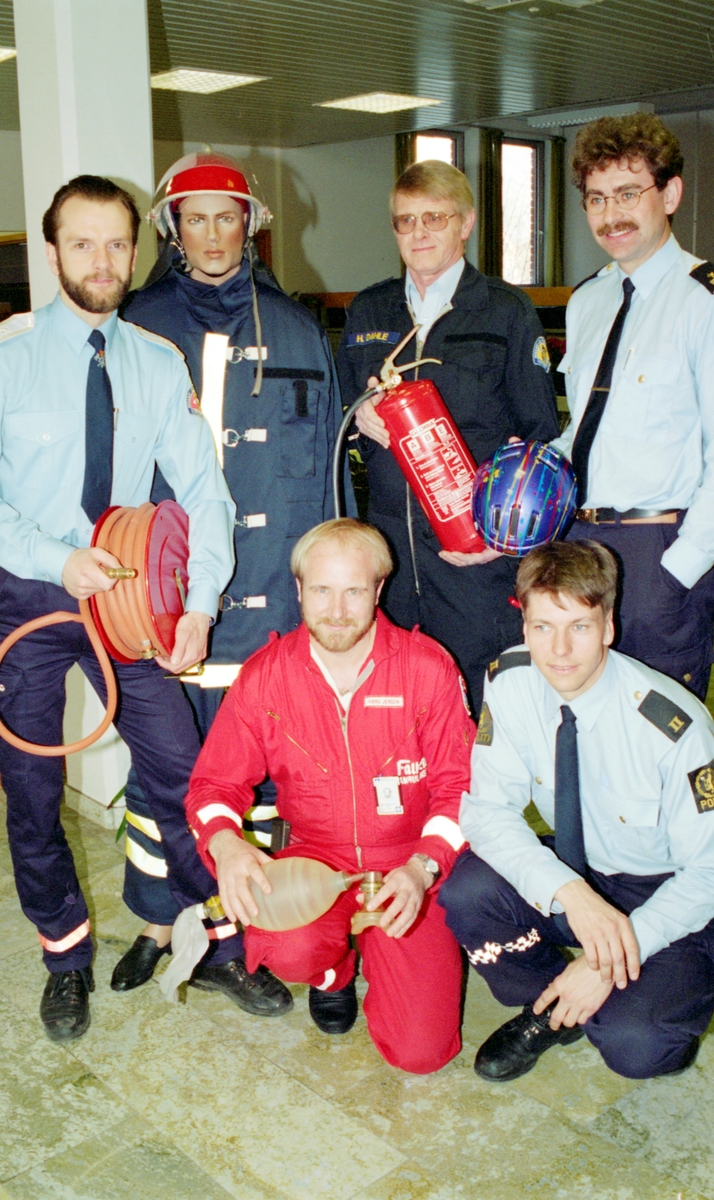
[{"x": 407, "y": 718}]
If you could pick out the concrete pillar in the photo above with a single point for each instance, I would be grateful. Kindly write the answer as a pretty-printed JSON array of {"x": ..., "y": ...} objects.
[{"x": 85, "y": 107}]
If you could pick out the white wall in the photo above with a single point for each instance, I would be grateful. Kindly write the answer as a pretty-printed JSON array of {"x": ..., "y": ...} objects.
[{"x": 12, "y": 200}]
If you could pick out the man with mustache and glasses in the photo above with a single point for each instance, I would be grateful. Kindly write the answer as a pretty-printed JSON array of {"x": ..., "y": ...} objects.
[
  {"x": 639, "y": 371},
  {"x": 89, "y": 405},
  {"x": 364, "y": 730}
]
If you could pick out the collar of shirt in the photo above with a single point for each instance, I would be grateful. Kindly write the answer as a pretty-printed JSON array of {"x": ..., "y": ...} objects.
[
  {"x": 589, "y": 705},
  {"x": 76, "y": 330},
  {"x": 647, "y": 276},
  {"x": 344, "y": 698},
  {"x": 437, "y": 296}
]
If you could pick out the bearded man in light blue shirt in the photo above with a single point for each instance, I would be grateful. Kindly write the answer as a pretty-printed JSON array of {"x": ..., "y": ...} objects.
[{"x": 73, "y": 376}]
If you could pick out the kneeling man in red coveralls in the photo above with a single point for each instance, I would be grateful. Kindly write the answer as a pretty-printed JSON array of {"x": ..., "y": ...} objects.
[{"x": 364, "y": 729}]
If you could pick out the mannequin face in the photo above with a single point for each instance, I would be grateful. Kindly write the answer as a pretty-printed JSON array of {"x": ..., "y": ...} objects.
[{"x": 212, "y": 230}]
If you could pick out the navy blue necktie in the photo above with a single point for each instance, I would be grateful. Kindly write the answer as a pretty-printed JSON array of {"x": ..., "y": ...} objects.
[
  {"x": 597, "y": 400},
  {"x": 569, "y": 845},
  {"x": 98, "y": 433}
]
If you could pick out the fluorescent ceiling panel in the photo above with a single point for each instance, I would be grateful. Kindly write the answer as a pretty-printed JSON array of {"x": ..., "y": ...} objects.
[
  {"x": 583, "y": 116},
  {"x": 7, "y": 52},
  {"x": 379, "y": 102},
  {"x": 186, "y": 79}
]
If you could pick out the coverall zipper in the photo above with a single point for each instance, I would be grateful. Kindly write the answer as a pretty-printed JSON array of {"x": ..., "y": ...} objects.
[{"x": 343, "y": 725}]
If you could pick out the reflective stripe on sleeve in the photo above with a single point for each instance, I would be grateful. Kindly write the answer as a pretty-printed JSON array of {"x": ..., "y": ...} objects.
[
  {"x": 445, "y": 828},
  {"x": 148, "y": 864},
  {"x": 211, "y": 811},
  {"x": 219, "y": 933},
  {"x": 144, "y": 825},
  {"x": 65, "y": 943}
]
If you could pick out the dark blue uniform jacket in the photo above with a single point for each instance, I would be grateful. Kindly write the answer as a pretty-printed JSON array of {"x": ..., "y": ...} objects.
[{"x": 286, "y": 477}]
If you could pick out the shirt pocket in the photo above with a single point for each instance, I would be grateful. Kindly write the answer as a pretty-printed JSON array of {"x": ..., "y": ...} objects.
[
  {"x": 133, "y": 431},
  {"x": 479, "y": 354},
  {"x": 44, "y": 429},
  {"x": 648, "y": 392},
  {"x": 631, "y": 825}
]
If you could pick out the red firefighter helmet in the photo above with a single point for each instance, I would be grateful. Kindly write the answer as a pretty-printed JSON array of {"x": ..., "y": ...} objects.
[{"x": 201, "y": 175}]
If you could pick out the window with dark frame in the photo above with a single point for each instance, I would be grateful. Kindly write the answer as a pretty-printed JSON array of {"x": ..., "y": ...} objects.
[
  {"x": 441, "y": 145},
  {"x": 522, "y": 198}
]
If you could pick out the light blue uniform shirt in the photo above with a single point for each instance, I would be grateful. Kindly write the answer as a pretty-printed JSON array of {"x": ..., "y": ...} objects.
[
  {"x": 654, "y": 447},
  {"x": 437, "y": 298},
  {"x": 647, "y": 801},
  {"x": 43, "y": 383}
]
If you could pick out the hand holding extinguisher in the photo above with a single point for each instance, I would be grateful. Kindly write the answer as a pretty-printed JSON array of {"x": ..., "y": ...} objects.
[{"x": 430, "y": 450}]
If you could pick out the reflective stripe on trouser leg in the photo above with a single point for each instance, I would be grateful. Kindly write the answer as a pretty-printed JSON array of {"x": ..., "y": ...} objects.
[{"x": 146, "y": 892}]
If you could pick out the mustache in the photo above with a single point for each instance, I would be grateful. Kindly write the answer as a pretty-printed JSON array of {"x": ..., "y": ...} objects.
[
  {"x": 616, "y": 227},
  {"x": 346, "y": 623}
]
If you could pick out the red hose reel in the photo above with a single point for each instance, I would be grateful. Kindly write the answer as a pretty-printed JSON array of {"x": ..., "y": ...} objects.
[{"x": 137, "y": 619}]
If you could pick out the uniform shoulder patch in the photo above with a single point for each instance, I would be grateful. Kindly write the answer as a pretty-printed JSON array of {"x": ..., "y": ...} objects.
[
  {"x": 665, "y": 715},
  {"x": 484, "y": 737},
  {"x": 519, "y": 658},
  {"x": 157, "y": 339},
  {"x": 541, "y": 357},
  {"x": 17, "y": 323},
  {"x": 701, "y": 782},
  {"x": 704, "y": 274}
]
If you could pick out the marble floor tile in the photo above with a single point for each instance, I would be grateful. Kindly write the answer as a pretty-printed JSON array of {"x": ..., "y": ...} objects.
[
  {"x": 592, "y": 1180},
  {"x": 234, "y": 1113},
  {"x": 665, "y": 1122},
  {"x": 130, "y": 1161},
  {"x": 49, "y": 1101},
  {"x": 17, "y": 932}
]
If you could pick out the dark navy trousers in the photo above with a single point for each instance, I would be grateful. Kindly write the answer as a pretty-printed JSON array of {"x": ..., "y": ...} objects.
[
  {"x": 642, "y": 1031},
  {"x": 658, "y": 621},
  {"x": 155, "y": 720}
]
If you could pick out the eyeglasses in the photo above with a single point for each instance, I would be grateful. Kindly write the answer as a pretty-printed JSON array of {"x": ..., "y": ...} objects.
[
  {"x": 627, "y": 199},
  {"x": 433, "y": 221}
]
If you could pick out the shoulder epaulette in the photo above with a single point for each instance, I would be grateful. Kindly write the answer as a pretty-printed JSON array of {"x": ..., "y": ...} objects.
[
  {"x": 665, "y": 715},
  {"x": 519, "y": 658},
  {"x": 157, "y": 339},
  {"x": 17, "y": 323},
  {"x": 704, "y": 274},
  {"x": 587, "y": 279}
]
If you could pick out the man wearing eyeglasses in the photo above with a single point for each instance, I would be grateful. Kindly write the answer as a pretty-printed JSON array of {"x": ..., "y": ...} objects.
[
  {"x": 494, "y": 377},
  {"x": 639, "y": 371}
]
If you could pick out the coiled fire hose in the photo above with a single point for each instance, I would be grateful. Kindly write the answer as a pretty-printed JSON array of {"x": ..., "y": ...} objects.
[{"x": 137, "y": 619}]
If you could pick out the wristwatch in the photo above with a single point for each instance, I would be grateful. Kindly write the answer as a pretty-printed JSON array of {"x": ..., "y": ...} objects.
[{"x": 429, "y": 864}]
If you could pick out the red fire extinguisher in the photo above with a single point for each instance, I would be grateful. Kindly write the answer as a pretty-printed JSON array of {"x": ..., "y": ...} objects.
[{"x": 432, "y": 455}]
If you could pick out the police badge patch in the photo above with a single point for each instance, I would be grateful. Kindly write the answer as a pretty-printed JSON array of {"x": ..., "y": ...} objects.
[
  {"x": 193, "y": 402},
  {"x": 484, "y": 737},
  {"x": 541, "y": 357},
  {"x": 701, "y": 782}
]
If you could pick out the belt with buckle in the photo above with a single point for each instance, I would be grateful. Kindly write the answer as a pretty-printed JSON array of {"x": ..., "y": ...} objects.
[{"x": 598, "y": 516}]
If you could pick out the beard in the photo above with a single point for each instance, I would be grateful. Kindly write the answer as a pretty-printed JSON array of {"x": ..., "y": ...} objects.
[
  {"x": 338, "y": 637},
  {"x": 79, "y": 291}
]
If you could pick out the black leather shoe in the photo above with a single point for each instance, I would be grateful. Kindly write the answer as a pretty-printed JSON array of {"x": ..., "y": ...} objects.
[
  {"x": 64, "y": 1007},
  {"x": 137, "y": 965},
  {"x": 334, "y": 1012},
  {"x": 515, "y": 1048},
  {"x": 260, "y": 994}
]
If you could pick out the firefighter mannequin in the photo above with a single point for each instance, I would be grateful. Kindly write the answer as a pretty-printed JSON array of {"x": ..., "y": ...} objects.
[
  {"x": 364, "y": 729},
  {"x": 264, "y": 371}
]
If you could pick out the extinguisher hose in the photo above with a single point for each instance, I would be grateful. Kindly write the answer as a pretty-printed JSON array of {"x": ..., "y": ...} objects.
[
  {"x": 338, "y": 455},
  {"x": 84, "y": 617}
]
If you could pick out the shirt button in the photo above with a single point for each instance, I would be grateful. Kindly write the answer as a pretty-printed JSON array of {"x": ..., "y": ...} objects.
[
  {"x": 538, "y": 781},
  {"x": 539, "y": 907},
  {"x": 2, "y": 687},
  {"x": 640, "y": 379},
  {"x": 45, "y": 437},
  {"x": 624, "y": 822},
  {"x": 638, "y": 695}
]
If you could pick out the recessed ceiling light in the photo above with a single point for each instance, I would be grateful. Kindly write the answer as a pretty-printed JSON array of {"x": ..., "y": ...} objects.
[
  {"x": 186, "y": 79},
  {"x": 583, "y": 116},
  {"x": 7, "y": 52},
  {"x": 378, "y": 102}
]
